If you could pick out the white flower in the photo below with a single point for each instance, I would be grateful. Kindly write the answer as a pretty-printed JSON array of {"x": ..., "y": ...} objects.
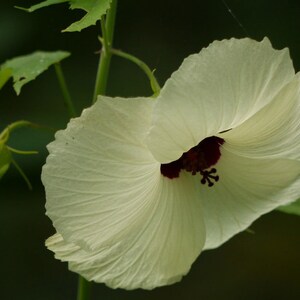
[{"x": 131, "y": 210}]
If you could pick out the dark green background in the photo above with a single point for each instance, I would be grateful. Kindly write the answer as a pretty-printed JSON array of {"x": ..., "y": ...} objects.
[{"x": 264, "y": 265}]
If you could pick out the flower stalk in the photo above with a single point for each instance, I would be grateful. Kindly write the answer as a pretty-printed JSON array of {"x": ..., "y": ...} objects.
[
  {"x": 149, "y": 73},
  {"x": 84, "y": 289}
]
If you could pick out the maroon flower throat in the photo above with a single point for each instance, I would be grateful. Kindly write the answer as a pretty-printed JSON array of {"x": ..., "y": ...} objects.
[{"x": 198, "y": 159}]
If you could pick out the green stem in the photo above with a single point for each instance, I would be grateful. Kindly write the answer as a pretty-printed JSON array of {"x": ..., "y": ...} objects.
[
  {"x": 104, "y": 39},
  {"x": 22, "y": 152},
  {"x": 84, "y": 289},
  {"x": 105, "y": 55},
  {"x": 4, "y": 135},
  {"x": 64, "y": 90},
  {"x": 154, "y": 84},
  {"x": 19, "y": 124},
  {"x": 22, "y": 173}
]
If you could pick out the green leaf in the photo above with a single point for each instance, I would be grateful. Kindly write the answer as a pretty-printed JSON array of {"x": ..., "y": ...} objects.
[
  {"x": 5, "y": 159},
  {"x": 293, "y": 208},
  {"x": 94, "y": 9},
  {"x": 28, "y": 67},
  {"x": 5, "y": 74}
]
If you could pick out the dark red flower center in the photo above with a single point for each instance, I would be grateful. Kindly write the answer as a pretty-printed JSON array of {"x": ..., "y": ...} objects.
[{"x": 198, "y": 159}]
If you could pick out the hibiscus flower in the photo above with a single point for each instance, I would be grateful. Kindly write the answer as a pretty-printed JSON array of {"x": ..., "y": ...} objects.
[{"x": 137, "y": 188}]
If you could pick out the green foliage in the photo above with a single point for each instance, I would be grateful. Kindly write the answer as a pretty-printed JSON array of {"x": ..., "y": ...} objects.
[
  {"x": 26, "y": 68},
  {"x": 95, "y": 10},
  {"x": 293, "y": 208},
  {"x": 5, "y": 74}
]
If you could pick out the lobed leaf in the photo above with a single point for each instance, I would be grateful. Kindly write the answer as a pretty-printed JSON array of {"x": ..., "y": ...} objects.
[
  {"x": 94, "y": 9},
  {"x": 26, "y": 68}
]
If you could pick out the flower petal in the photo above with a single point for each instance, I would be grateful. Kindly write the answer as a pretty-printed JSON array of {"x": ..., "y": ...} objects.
[
  {"x": 247, "y": 189},
  {"x": 274, "y": 131},
  {"x": 119, "y": 220},
  {"x": 215, "y": 90}
]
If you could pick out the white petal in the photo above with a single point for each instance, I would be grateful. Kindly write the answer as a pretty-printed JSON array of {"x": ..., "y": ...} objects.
[
  {"x": 92, "y": 162},
  {"x": 247, "y": 189},
  {"x": 274, "y": 131},
  {"x": 121, "y": 222},
  {"x": 159, "y": 251},
  {"x": 215, "y": 90}
]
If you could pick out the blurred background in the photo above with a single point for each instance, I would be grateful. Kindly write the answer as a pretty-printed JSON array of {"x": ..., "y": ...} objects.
[{"x": 263, "y": 265}]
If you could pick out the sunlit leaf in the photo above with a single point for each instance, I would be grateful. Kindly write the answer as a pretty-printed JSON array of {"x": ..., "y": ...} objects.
[
  {"x": 28, "y": 67},
  {"x": 293, "y": 208},
  {"x": 5, "y": 159},
  {"x": 94, "y": 9}
]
